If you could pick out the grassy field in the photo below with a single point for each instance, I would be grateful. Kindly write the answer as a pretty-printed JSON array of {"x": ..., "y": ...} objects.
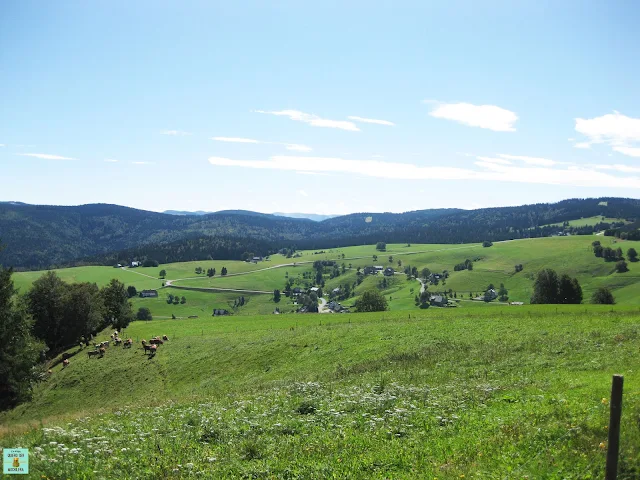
[
  {"x": 583, "y": 222},
  {"x": 572, "y": 255},
  {"x": 484, "y": 393}
]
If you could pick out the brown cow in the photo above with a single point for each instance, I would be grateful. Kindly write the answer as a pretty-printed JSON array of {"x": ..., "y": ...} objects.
[{"x": 93, "y": 353}]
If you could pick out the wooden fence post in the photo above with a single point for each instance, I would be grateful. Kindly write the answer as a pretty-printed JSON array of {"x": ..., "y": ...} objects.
[{"x": 611, "y": 472}]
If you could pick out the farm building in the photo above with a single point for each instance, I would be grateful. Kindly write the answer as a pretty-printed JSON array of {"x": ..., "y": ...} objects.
[
  {"x": 438, "y": 301},
  {"x": 389, "y": 271},
  {"x": 218, "y": 312},
  {"x": 148, "y": 293},
  {"x": 297, "y": 291},
  {"x": 135, "y": 264},
  {"x": 370, "y": 270},
  {"x": 379, "y": 268},
  {"x": 492, "y": 294}
]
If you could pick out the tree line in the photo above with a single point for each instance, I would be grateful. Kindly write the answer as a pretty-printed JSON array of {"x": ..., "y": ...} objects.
[{"x": 52, "y": 316}]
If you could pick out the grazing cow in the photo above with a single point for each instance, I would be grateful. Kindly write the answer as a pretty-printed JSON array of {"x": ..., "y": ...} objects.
[
  {"x": 156, "y": 341},
  {"x": 165, "y": 338},
  {"x": 50, "y": 372},
  {"x": 144, "y": 342},
  {"x": 112, "y": 336},
  {"x": 105, "y": 343},
  {"x": 102, "y": 351},
  {"x": 93, "y": 353},
  {"x": 117, "y": 341},
  {"x": 65, "y": 363},
  {"x": 127, "y": 343},
  {"x": 150, "y": 348}
]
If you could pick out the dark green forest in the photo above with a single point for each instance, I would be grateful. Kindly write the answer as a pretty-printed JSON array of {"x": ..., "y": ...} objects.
[{"x": 38, "y": 237}]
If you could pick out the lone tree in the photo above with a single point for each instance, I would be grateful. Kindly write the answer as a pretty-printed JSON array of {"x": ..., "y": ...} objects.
[
  {"x": 211, "y": 272},
  {"x": 144, "y": 314},
  {"x": 603, "y": 296},
  {"x": 163, "y": 273},
  {"x": 223, "y": 272},
  {"x": 622, "y": 267},
  {"x": 131, "y": 291},
  {"x": 504, "y": 294},
  {"x": 117, "y": 307},
  {"x": 632, "y": 255},
  {"x": 276, "y": 295},
  {"x": 381, "y": 246},
  {"x": 371, "y": 301},
  {"x": 183, "y": 300}
]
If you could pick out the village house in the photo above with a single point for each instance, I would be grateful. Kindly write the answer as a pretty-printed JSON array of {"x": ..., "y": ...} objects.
[
  {"x": 148, "y": 293},
  {"x": 297, "y": 291},
  {"x": 379, "y": 268},
  {"x": 389, "y": 271},
  {"x": 135, "y": 264},
  {"x": 491, "y": 294},
  {"x": 370, "y": 270},
  {"x": 438, "y": 301}
]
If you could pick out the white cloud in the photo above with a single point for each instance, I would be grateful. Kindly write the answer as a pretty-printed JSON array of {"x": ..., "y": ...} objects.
[
  {"x": 613, "y": 129},
  {"x": 313, "y": 120},
  {"x": 483, "y": 116},
  {"x": 501, "y": 161},
  {"x": 2, "y": 145},
  {"x": 289, "y": 146},
  {"x": 545, "y": 162},
  {"x": 297, "y": 148},
  {"x": 619, "y": 168},
  {"x": 371, "y": 120},
  {"x": 177, "y": 133},
  {"x": 583, "y": 145},
  {"x": 111, "y": 160},
  {"x": 45, "y": 156},
  {"x": 235, "y": 140},
  {"x": 630, "y": 151},
  {"x": 143, "y": 163},
  {"x": 311, "y": 173},
  {"x": 377, "y": 156},
  {"x": 488, "y": 171},
  {"x": 303, "y": 193}
]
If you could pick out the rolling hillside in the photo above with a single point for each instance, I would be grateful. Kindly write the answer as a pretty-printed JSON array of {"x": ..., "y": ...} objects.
[
  {"x": 44, "y": 236},
  {"x": 439, "y": 395}
]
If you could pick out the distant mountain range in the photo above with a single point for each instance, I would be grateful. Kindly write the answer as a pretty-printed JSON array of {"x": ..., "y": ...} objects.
[
  {"x": 42, "y": 236},
  {"x": 311, "y": 216}
]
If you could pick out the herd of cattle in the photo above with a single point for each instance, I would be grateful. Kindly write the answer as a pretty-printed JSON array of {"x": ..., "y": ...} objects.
[{"x": 150, "y": 347}]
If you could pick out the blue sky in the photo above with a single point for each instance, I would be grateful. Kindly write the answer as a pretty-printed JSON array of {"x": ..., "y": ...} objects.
[{"x": 318, "y": 107}]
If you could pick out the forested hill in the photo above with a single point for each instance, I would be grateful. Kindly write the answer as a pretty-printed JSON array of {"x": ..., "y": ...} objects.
[{"x": 38, "y": 237}]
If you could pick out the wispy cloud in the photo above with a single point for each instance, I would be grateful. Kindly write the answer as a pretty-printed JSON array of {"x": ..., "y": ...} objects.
[
  {"x": 619, "y": 168},
  {"x": 490, "y": 117},
  {"x": 303, "y": 193},
  {"x": 313, "y": 120},
  {"x": 143, "y": 163},
  {"x": 486, "y": 170},
  {"x": 176, "y": 133},
  {"x": 45, "y": 156},
  {"x": 545, "y": 162},
  {"x": 630, "y": 151},
  {"x": 289, "y": 146},
  {"x": 2, "y": 145},
  {"x": 371, "y": 120},
  {"x": 614, "y": 129},
  {"x": 111, "y": 160},
  {"x": 235, "y": 140}
]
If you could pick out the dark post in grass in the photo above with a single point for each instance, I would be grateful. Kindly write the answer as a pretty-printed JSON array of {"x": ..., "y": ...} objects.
[{"x": 611, "y": 472}]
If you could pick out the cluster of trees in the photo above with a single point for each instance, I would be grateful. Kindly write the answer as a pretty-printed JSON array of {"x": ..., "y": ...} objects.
[
  {"x": 176, "y": 299},
  {"x": 52, "y": 316},
  {"x": 487, "y": 243},
  {"x": 381, "y": 246},
  {"x": 239, "y": 302},
  {"x": 309, "y": 302},
  {"x": 549, "y": 288},
  {"x": 422, "y": 300},
  {"x": 519, "y": 268},
  {"x": 144, "y": 314},
  {"x": 150, "y": 262},
  {"x": 615, "y": 255},
  {"x": 466, "y": 265},
  {"x": 211, "y": 272},
  {"x": 371, "y": 301}
]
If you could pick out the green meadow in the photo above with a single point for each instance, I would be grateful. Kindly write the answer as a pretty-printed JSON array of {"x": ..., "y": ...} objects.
[{"x": 442, "y": 393}]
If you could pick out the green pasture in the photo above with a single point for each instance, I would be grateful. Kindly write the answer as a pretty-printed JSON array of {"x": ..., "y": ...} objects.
[{"x": 486, "y": 393}]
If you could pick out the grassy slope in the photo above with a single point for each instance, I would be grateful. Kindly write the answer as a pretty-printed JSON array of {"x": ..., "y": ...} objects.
[
  {"x": 583, "y": 222},
  {"x": 445, "y": 393}
]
